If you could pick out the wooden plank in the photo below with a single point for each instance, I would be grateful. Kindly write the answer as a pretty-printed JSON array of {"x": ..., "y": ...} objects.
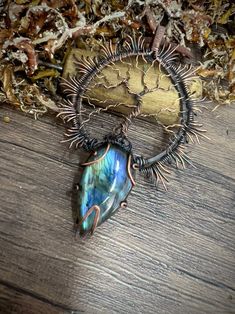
[
  {"x": 14, "y": 301},
  {"x": 169, "y": 252}
]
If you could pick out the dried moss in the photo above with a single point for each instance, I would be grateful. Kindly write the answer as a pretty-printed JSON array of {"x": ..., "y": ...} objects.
[{"x": 36, "y": 37}]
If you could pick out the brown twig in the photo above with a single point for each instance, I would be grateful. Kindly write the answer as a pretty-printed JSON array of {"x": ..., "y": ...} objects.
[{"x": 158, "y": 37}]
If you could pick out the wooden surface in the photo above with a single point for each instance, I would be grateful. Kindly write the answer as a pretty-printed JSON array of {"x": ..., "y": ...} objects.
[{"x": 168, "y": 252}]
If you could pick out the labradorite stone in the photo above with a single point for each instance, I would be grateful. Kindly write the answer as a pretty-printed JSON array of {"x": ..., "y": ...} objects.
[{"x": 105, "y": 183}]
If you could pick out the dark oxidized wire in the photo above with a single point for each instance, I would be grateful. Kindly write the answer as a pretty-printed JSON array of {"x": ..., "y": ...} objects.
[{"x": 156, "y": 166}]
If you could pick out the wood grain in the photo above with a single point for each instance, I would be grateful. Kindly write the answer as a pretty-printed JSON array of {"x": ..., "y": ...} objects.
[
  {"x": 168, "y": 252},
  {"x": 13, "y": 300}
]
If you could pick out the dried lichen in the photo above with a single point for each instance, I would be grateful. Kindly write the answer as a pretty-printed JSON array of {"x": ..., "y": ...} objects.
[{"x": 36, "y": 37}]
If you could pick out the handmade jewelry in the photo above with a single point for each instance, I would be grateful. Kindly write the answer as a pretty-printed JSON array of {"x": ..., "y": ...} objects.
[{"x": 108, "y": 175}]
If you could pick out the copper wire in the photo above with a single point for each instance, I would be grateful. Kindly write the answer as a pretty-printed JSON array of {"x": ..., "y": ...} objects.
[
  {"x": 95, "y": 208},
  {"x": 97, "y": 160},
  {"x": 129, "y": 171}
]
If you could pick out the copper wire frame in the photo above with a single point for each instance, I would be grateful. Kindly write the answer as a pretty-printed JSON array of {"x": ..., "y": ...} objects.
[
  {"x": 95, "y": 208},
  {"x": 98, "y": 159},
  {"x": 165, "y": 55},
  {"x": 129, "y": 170}
]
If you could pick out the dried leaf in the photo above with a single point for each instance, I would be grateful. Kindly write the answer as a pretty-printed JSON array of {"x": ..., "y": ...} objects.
[
  {"x": 225, "y": 17},
  {"x": 25, "y": 45},
  {"x": 45, "y": 73},
  {"x": 7, "y": 77}
]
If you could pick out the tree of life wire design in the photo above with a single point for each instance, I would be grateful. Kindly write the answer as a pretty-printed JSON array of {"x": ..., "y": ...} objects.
[{"x": 90, "y": 70}]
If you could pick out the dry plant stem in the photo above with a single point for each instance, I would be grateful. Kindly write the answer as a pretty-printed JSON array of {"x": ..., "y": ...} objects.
[
  {"x": 158, "y": 37},
  {"x": 84, "y": 29},
  {"x": 24, "y": 44},
  {"x": 183, "y": 50},
  {"x": 151, "y": 19},
  {"x": 81, "y": 29}
]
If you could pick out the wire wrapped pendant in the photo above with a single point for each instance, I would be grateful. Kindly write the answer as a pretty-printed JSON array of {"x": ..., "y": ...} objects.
[
  {"x": 108, "y": 173},
  {"x": 105, "y": 184}
]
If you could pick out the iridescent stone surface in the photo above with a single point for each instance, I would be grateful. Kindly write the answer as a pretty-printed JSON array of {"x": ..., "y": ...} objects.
[{"x": 104, "y": 183}]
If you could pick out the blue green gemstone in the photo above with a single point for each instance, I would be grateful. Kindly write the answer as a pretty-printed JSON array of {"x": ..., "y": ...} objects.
[{"x": 105, "y": 183}]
